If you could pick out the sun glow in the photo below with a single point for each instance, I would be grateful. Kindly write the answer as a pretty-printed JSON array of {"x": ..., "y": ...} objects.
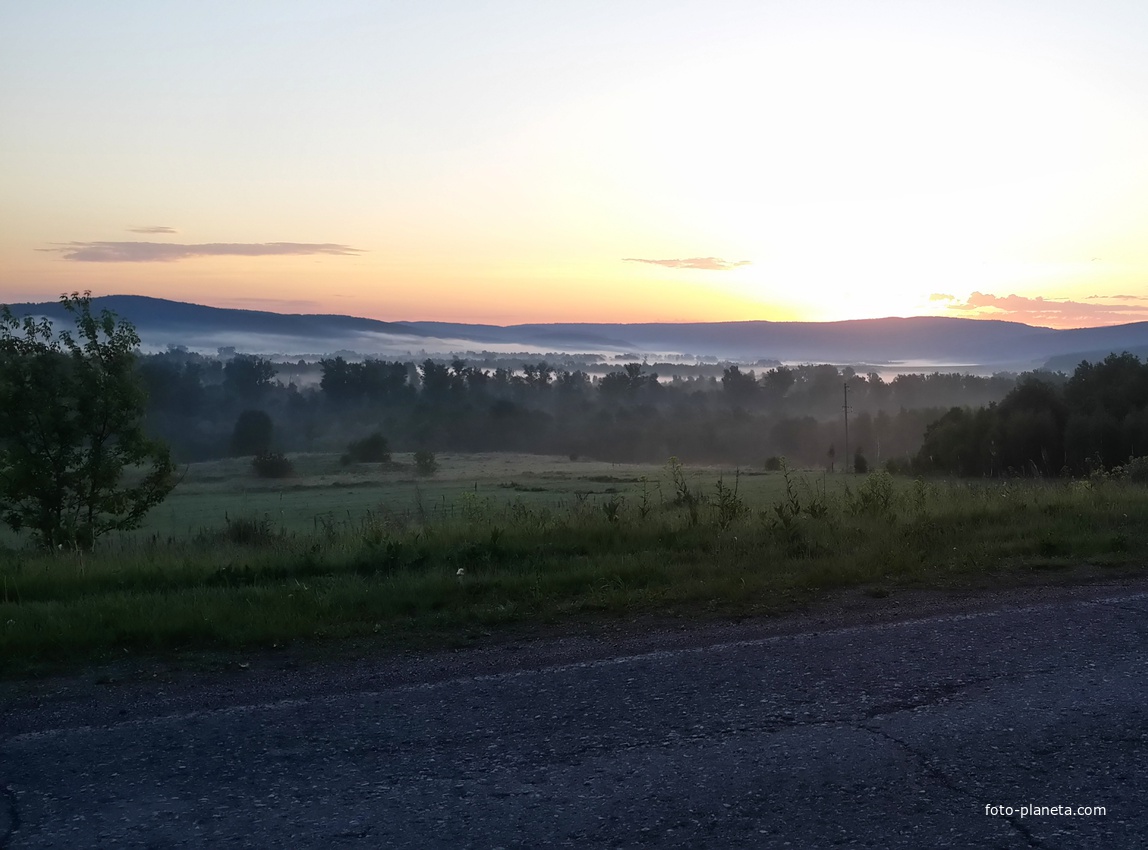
[
  {"x": 861, "y": 178},
  {"x": 827, "y": 163}
]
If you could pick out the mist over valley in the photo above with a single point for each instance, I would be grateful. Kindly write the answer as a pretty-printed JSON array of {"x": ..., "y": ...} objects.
[{"x": 890, "y": 346}]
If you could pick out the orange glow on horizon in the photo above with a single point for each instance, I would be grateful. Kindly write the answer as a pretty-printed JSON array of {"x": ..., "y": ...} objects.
[
  {"x": 446, "y": 162},
  {"x": 611, "y": 293}
]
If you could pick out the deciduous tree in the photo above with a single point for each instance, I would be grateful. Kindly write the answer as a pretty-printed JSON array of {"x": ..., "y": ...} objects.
[{"x": 74, "y": 460}]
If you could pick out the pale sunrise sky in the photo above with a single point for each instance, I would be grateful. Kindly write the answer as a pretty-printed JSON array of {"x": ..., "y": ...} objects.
[{"x": 508, "y": 162}]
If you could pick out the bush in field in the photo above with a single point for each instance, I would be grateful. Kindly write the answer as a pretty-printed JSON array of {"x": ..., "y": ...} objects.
[
  {"x": 371, "y": 449},
  {"x": 252, "y": 433},
  {"x": 272, "y": 465},
  {"x": 773, "y": 464},
  {"x": 728, "y": 505},
  {"x": 874, "y": 496},
  {"x": 899, "y": 466},
  {"x": 425, "y": 462},
  {"x": 612, "y": 508},
  {"x": 860, "y": 464},
  {"x": 683, "y": 495},
  {"x": 1136, "y": 470},
  {"x": 248, "y": 531}
]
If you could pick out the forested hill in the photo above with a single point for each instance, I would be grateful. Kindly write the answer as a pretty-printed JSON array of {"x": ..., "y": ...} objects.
[
  {"x": 158, "y": 315},
  {"x": 922, "y": 339}
]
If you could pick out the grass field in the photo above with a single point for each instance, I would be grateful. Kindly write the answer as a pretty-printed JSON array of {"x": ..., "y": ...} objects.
[
  {"x": 233, "y": 561},
  {"x": 324, "y": 490}
]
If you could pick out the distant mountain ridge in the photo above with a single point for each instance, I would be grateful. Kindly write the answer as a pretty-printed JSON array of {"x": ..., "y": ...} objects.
[{"x": 924, "y": 339}]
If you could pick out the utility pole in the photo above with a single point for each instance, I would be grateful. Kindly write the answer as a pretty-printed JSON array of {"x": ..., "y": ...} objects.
[{"x": 845, "y": 407}]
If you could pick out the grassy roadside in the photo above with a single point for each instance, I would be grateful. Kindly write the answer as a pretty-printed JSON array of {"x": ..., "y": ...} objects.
[{"x": 692, "y": 546}]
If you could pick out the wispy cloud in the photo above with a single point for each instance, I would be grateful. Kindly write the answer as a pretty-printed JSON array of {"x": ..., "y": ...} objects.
[
  {"x": 711, "y": 264},
  {"x": 160, "y": 252},
  {"x": 1049, "y": 312},
  {"x": 155, "y": 228},
  {"x": 1117, "y": 298},
  {"x": 942, "y": 296}
]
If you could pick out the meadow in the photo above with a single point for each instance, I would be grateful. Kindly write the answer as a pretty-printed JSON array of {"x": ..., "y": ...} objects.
[{"x": 231, "y": 561}]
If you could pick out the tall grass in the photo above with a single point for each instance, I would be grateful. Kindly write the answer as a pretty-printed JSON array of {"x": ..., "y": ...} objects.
[{"x": 678, "y": 544}]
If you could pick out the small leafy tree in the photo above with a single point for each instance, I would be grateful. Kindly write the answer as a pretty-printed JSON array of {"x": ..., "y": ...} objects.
[
  {"x": 74, "y": 460},
  {"x": 426, "y": 462},
  {"x": 252, "y": 433}
]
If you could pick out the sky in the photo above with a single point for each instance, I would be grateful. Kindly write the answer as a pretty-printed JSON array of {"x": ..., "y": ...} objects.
[{"x": 576, "y": 160}]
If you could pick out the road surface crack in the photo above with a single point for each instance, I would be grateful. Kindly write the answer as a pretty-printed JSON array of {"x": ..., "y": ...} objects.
[
  {"x": 947, "y": 782},
  {"x": 944, "y": 692},
  {"x": 775, "y": 722}
]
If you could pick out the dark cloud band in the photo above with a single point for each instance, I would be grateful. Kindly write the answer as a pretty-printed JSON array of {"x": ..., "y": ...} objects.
[{"x": 159, "y": 252}]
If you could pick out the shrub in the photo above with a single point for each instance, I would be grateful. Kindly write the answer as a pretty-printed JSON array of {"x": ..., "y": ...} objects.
[
  {"x": 371, "y": 449},
  {"x": 727, "y": 504},
  {"x": 248, "y": 531},
  {"x": 875, "y": 495},
  {"x": 860, "y": 465},
  {"x": 899, "y": 466},
  {"x": 612, "y": 509},
  {"x": 773, "y": 464},
  {"x": 425, "y": 462},
  {"x": 1136, "y": 470},
  {"x": 683, "y": 495},
  {"x": 272, "y": 465}
]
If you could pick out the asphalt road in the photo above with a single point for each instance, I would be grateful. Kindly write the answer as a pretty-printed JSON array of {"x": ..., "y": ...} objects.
[{"x": 804, "y": 733}]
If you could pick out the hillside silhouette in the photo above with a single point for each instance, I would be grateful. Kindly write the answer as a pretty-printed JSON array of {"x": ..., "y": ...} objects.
[{"x": 925, "y": 340}]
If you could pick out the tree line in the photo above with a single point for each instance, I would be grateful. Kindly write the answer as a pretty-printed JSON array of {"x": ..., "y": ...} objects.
[
  {"x": 625, "y": 412},
  {"x": 1048, "y": 425}
]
